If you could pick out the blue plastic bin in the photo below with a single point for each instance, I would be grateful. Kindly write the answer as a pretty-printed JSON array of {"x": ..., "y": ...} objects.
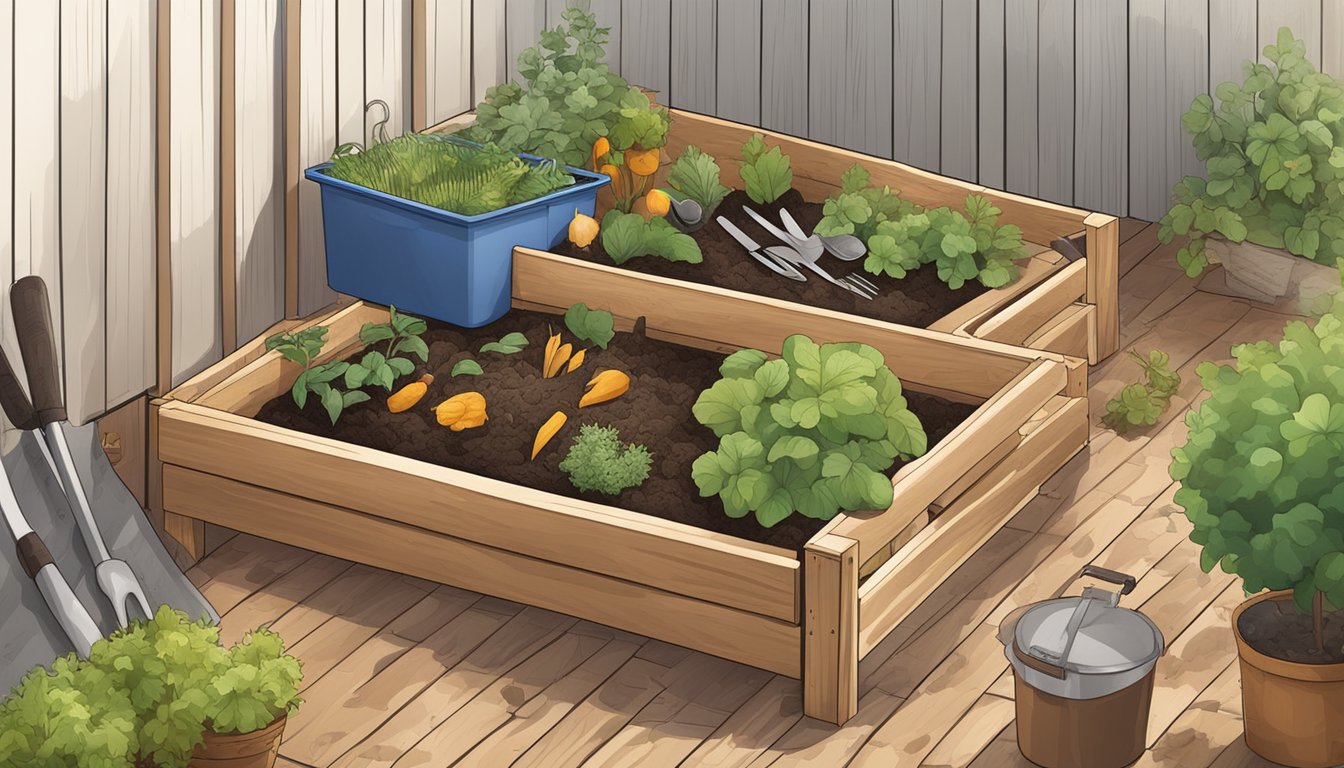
[{"x": 434, "y": 263}]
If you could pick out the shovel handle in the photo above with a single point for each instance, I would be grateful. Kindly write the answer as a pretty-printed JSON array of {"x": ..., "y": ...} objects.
[
  {"x": 37, "y": 343},
  {"x": 18, "y": 409}
]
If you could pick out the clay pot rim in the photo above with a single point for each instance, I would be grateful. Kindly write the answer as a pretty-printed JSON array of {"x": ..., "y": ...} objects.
[
  {"x": 1293, "y": 670},
  {"x": 284, "y": 716}
]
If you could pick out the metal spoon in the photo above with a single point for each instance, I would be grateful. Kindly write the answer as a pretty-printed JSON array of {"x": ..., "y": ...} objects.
[
  {"x": 686, "y": 215},
  {"x": 843, "y": 247}
]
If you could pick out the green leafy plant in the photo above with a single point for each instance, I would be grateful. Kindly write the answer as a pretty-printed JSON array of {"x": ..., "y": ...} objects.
[
  {"x": 1273, "y": 149},
  {"x": 509, "y": 344},
  {"x": 70, "y": 717},
  {"x": 595, "y": 325},
  {"x": 696, "y": 175},
  {"x": 467, "y": 367},
  {"x": 972, "y": 246},
  {"x": 402, "y": 334},
  {"x": 1260, "y": 472},
  {"x": 599, "y": 461},
  {"x": 858, "y": 208},
  {"x": 766, "y": 174},
  {"x": 567, "y": 101},
  {"x": 626, "y": 236},
  {"x": 813, "y": 432},
  {"x": 631, "y": 154},
  {"x": 1143, "y": 403},
  {"x": 258, "y": 683},
  {"x": 303, "y": 347},
  {"x": 444, "y": 171}
]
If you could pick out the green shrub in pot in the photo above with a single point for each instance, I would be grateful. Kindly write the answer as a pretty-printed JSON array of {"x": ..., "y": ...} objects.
[
  {"x": 1273, "y": 149},
  {"x": 68, "y": 717}
]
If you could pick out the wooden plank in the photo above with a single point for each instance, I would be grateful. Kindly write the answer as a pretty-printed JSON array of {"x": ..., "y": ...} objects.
[
  {"x": 9, "y": 436},
  {"x": 1149, "y": 177},
  {"x": 260, "y": 239},
  {"x": 387, "y": 58},
  {"x": 749, "y": 731},
  {"x": 1021, "y": 65},
  {"x": 197, "y": 385},
  {"x": 623, "y": 544},
  {"x": 1069, "y": 333},
  {"x": 80, "y": 295},
  {"x": 694, "y": 70},
  {"x": 315, "y": 116},
  {"x": 269, "y": 602},
  {"x": 991, "y": 109},
  {"x": 917, "y": 61},
  {"x": 1232, "y": 39},
  {"x": 525, "y": 19},
  {"x": 1033, "y": 272},
  {"x": 448, "y": 64},
  {"x": 489, "y": 50},
  {"x": 194, "y": 220},
  {"x": 350, "y": 48},
  {"x": 960, "y": 89},
  {"x": 1193, "y": 661},
  {"x": 1204, "y": 731},
  {"x": 1056, "y": 100},
  {"x": 241, "y": 567},
  {"x": 1186, "y": 75},
  {"x": 978, "y": 727},
  {"x": 1025, "y": 317},
  {"x": 1332, "y": 37},
  {"x": 122, "y": 434},
  {"x": 763, "y": 323},
  {"x": 831, "y": 629},
  {"x": 738, "y": 66},
  {"x": 645, "y": 43},
  {"x": 919, "y": 483},
  {"x": 752, "y": 639},
  {"x": 293, "y": 170},
  {"x": 1303, "y": 17},
  {"x": 784, "y": 66},
  {"x": 228, "y": 175},
  {"x": 1103, "y": 279},
  {"x": 913, "y": 573},
  {"x": 813, "y": 742},
  {"x": 418, "y": 36},
  {"x": 850, "y": 84},
  {"x": 1101, "y": 129}
]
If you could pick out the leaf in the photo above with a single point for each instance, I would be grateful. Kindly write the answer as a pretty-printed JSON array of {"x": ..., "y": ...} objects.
[
  {"x": 622, "y": 235},
  {"x": 596, "y": 326},
  {"x": 509, "y": 344},
  {"x": 766, "y": 175},
  {"x": 467, "y": 367},
  {"x": 696, "y": 175},
  {"x": 412, "y": 345}
]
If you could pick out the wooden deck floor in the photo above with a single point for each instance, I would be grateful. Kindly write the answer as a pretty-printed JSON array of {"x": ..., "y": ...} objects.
[{"x": 400, "y": 671}]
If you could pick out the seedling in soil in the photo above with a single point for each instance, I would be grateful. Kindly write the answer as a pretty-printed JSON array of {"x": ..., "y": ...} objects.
[
  {"x": 599, "y": 461},
  {"x": 594, "y": 325},
  {"x": 510, "y": 344},
  {"x": 402, "y": 334},
  {"x": 766, "y": 175},
  {"x": 303, "y": 347},
  {"x": 467, "y": 367}
]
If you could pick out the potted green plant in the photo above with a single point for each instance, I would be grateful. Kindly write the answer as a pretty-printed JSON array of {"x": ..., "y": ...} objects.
[
  {"x": 1273, "y": 149},
  {"x": 68, "y": 717},
  {"x": 1262, "y": 482}
]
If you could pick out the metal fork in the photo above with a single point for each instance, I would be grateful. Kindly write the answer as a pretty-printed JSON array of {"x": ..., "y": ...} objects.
[{"x": 808, "y": 251}]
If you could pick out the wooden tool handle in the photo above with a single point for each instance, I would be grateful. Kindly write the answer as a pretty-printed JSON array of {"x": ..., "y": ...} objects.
[
  {"x": 37, "y": 342},
  {"x": 18, "y": 409},
  {"x": 33, "y": 554}
]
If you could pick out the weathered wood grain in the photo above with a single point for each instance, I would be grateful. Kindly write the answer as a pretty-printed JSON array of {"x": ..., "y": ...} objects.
[
  {"x": 785, "y": 51},
  {"x": 1232, "y": 39},
  {"x": 694, "y": 68},
  {"x": 959, "y": 79},
  {"x": 1101, "y": 125},
  {"x": 850, "y": 85},
  {"x": 916, "y": 96},
  {"x": 1021, "y": 76},
  {"x": 739, "y": 60},
  {"x": 1055, "y": 94},
  {"x": 646, "y": 44},
  {"x": 992, "y": 107}
]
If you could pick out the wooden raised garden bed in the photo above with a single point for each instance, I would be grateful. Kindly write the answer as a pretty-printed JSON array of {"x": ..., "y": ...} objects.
[{"x": 811, "y": 614}]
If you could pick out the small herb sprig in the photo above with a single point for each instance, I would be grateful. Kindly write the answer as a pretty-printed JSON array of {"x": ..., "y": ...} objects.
[
  {"x": 766, "y": 175},
  {"x": 1143, "y": 403},
  {"x": 303, "y": 347},
  {"x": 402, "y": 334}
]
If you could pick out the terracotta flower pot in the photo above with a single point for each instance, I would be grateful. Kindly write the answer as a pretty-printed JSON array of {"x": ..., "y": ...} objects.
[
  {"x": 257, "y": 749},
  {"x": 1293, "y": 713}
]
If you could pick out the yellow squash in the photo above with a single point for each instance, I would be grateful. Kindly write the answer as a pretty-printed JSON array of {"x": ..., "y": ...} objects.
[
  {"x": 405, "y": 398},
  {"x": 548, "y": 431},
  {"x": 463, "y": 411}
]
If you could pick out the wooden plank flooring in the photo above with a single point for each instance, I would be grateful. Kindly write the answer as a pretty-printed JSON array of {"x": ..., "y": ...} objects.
[{"x": 401, "y": 672}]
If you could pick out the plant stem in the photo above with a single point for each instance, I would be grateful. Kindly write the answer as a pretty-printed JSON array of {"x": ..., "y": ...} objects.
[{"x": 1318, "y": 620}]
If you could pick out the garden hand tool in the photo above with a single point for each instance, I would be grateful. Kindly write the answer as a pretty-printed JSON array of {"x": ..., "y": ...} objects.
[
  {"x": 806, "y": 252},
  {"x": 34, "y": 556},
  {"x": 32, "y": 319},
  {"x": 770, "y": 257},
  {"x": 843, "y": 247}
]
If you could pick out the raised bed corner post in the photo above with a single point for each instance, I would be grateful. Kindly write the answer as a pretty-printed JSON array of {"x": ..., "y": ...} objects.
[
  {"x": 831, "y": 628},
  {"x": 1103, "y": 279}
]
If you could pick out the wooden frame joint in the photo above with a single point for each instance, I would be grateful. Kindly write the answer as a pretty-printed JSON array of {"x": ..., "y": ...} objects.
[{"x": 831, "y": 628}]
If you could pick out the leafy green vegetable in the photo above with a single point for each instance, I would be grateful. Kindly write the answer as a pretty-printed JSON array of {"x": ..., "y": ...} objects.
[
  {"x": 402, "y": 334},
  {"x": 627, "y": 236},
  {"x": 1143, "y": 403},
  {"x": 1260, "y": 472},
  {"x": 598, "y": 461},
  {"x": 859, "y": 209},
  {"x": 813, "y": 432},
  {"x": 696, "y": 175},
  {"x": 897, "y": 247},
  {"x": 446, "y": 172},
  {"x": 259, "y": 683},
  {"x": 1272, "y": 151},
  {"x": 766, "y": 175},
  {"x": 973, "y": 246},
  {"x": 467, "y": 368},
  {"x": 510, "y": 344},
  {"x": 595, "y": 325},
  {"x": 303, "y": 348},
  {"x": 72, "y": 717}
]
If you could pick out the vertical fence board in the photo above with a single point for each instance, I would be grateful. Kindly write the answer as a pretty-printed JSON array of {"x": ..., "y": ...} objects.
[
  {"x": 1332, "y": 37},
  {"x": 1186, "y": 75},
  {"x": 1101, "y": 134},
  {"x": 350, "y": 71},
  {"x": 851, "y": 86},
  {"x": 1148, "y": 190},
  {"x": 259, "y": 190},
  {"x": 83, "y": 206},
  {"x": 36, "y": 120},
  {"x": 525, "y": 19},
  {"x": 387, "y": 59},
  {"x": 1303, "y": 17},
  {"x": 785, "y": 55},
  {"x": 990, "y": 111},
  {"x": 645, "y": 43},
  {"x": 739, "y": 61},
  {"x": 916, "y": 93},
  {"x": 448, "y": 58},
  {"x": 489, "y": 60},
  {"x": 958, "y": 93},
  {"x": 694, "y": 60},
  {"x": 1054, "y": 138},
  {"x": 1021, "y": 111},
  {"x": 1232, "y": 39},
  {"x": 194, "y": 185},
  {"x": 7, "y": 338},
  {"x": 317, "y": 137}
]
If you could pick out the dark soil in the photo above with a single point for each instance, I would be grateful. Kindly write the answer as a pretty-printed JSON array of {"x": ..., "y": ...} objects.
[
  {"x": 919, "y": 299},
  {"x": 1275, "y": 628},
  {"x": 666, "y": 379}
]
